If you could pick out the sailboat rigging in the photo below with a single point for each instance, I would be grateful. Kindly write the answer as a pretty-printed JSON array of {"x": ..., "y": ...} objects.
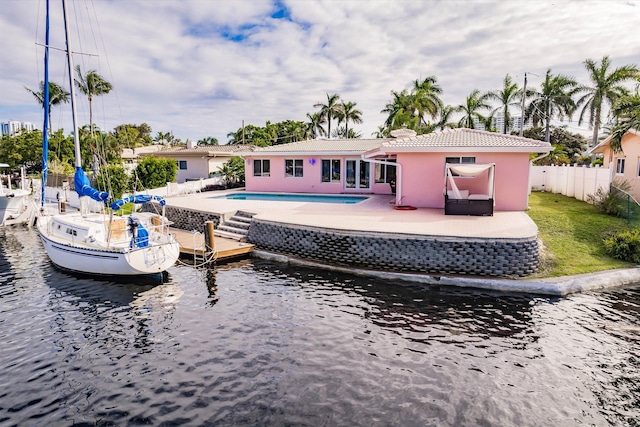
[{"x": 101, "y": 243}]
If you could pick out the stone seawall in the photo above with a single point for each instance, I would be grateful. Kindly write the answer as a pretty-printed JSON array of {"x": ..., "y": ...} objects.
[
  {"x": 185, "y": 219},
  {"x": 399, "y": 252},
  {"x": 410, "y": 253}
]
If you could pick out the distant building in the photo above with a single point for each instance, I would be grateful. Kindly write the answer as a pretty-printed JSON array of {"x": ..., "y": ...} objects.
[
  {"x": 498, "y": 123},
  {"x": 13, "y": 127}
]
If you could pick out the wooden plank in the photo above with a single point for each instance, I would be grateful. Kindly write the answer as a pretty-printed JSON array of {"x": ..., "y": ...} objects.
[{"x": 191, "y": 243}]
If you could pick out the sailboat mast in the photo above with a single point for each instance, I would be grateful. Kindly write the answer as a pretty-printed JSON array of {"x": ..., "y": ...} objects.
[
  {"x": 45, "y": 106},
  {"x": 76, "y": 137}
]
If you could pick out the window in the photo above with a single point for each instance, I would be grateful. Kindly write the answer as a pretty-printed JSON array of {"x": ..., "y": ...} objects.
[
  {"x": 262, "y": 167},
  {"x": 459, "y": 160},
  {"x": 182, "y": 165},
  {"x": 620, "y": 166},
  {"x": 293, "y": 168},
  {"x": 330, "y": 170},
  {"x": 385, "y": 174}
]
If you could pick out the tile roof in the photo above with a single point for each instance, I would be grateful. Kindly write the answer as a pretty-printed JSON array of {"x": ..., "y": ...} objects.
[
  {"x": 208, "y": 149},
  {"x": 350, "y": 145},
  {"x": 464, "y": 138}
]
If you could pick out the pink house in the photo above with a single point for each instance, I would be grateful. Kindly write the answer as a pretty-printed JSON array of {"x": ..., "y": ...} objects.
[
  {"x": 462, "y": 166},
  {"x": 626, "y": 164}
]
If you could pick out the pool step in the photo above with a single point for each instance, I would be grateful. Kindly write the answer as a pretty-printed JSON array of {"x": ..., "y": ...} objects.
[{"x": 235, "y": 227}]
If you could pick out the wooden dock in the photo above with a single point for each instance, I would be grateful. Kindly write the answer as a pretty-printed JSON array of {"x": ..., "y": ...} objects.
[{"x": 193, "y": 244}]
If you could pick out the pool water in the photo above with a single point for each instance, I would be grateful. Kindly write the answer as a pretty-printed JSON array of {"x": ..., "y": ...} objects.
[{"x": 277, "y": 197}]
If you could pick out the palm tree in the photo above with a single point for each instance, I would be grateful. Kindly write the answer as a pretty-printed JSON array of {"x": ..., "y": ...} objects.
[
  {"x": 347, "y": 113},
  {"x": 401, "y": 103},
  {"x": 316, "y": 120},
  {"x": 555, "y": 98},
  {"x": 627, "y": 116},
  {"x": 208, "y": 140},
  {"x": 509, "y": 96},
  {"x": 474, "y": 103},
  {"x": 92, "y": 84},
  {"x": 57, "y": 95},
  {"x": 445, "y": 116},
  {"x": 330, "y": 110},
  {"x": 426, "y": 98},
  {"x": 606, "y": 86}
]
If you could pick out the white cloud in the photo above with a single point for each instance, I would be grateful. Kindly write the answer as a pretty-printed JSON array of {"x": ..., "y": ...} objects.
[{"x": 199, "y": 68}]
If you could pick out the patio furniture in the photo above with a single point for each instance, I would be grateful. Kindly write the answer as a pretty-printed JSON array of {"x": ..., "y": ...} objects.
[{"x": 461, "y": 202}]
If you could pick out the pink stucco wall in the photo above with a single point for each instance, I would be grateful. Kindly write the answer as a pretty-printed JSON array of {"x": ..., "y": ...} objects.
[
  {"x": 631, "y": 155},
  {"x": 422, "y": 179},
  {"x": 311, "y": 182}
]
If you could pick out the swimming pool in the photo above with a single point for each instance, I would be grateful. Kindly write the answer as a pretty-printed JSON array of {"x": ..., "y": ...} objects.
[{"x": 276, "y": 197}]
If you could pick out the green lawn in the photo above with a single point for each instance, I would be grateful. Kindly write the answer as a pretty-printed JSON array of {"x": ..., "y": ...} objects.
[{"x": 572, "y": 233}]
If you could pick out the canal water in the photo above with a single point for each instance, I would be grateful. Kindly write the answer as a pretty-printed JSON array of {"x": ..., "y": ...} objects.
[{"x": 258, "y": 343}]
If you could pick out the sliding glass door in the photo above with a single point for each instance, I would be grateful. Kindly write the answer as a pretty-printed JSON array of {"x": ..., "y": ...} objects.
[{"x": 358, "y": 174}]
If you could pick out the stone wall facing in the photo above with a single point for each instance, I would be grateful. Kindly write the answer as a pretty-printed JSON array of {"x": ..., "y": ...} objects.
[
  {"x": 399, "y": 252},
  {"x": 380, "y": 251},
  {"x": 185, "y": 219}
]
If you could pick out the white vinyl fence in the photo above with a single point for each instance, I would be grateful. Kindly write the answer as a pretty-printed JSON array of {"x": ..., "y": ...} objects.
[
  {"x": 55, "y": 194},
  {"x": 573, "y": 181}
]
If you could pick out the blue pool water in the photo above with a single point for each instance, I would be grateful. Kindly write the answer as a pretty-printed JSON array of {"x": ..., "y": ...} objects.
[{"x": 275, "y": 197}]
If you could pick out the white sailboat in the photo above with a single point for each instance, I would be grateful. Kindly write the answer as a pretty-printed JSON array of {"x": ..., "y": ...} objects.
[
  {"x": 101, "y": 243},
  {"x": 15, "y": 204}
]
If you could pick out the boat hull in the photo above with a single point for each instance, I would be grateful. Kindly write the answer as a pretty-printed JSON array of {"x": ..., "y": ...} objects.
[
  {"x": 82, "y": 258},
  {"x": 13, "y": 205}
]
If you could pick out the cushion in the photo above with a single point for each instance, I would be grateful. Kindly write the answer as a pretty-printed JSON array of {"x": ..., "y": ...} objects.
[
  {"x": 479, "y": 197},
  {"x": 463, "y": 194}
]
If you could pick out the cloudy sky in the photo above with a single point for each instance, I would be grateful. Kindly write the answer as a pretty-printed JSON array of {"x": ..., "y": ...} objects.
[{"x": 200, "y": 68}]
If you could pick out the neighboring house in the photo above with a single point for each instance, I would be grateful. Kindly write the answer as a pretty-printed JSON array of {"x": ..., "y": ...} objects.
[
  {"x": 411, "y": 166},
  {"x": 201, "y": 161},
  {"x": 626, "y": 164},
  {"x": 130, "y": 156}
]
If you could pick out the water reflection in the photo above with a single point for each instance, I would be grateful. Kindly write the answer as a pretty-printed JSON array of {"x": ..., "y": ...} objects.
[
  {"x": 261, "y": 343},
  {"x": 420, "y": 311}
]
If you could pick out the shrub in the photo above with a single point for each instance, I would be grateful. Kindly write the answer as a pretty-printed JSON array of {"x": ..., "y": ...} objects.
[
  {"x": 610, "y": 202},
  {"x": 624, "y": 245}
]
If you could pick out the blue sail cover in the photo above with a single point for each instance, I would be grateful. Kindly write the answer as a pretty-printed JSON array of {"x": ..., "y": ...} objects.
[
  {"x": 83, "y": 187},
  {"x": 137, "y": 199}
]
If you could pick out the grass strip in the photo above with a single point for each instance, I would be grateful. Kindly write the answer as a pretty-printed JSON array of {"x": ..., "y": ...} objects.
[{"x": 572, "y": 232}]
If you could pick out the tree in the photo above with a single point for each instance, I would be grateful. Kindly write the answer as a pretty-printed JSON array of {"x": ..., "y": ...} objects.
[
  {"x": 474, "y": 103},
  {"x": 132, "y": 136},
  {"x": 509, "y": 96},
  {"x": 91, "y": 84},
  {"x": 425, "y": 98},
  {"x": 316, "y": 120},
  {"x": 114, "y": 180},
  {"x": 253, "y": 135},
  {"x": 155, "y": 172},
  {"x": 606, "y": 86},
  {"x": 571, "y": 144},
  {"x": 445, "y": 116},
  {"x": 627, "y": 116},
  {"x": 209, "y": 140},
  {"x": 232, "y": 171},
  {"x": 348, "y": 113},
  {"x": 24, "y": 148},
  {"x": 57, "y": 96},
  {"x": 555, "y": 98},
  {"x": 330, "y": 110}
]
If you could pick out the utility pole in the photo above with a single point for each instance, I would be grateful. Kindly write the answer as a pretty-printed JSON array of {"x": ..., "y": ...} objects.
[
  {"x": 524, "y": 95},
  {"x": 243, "y": 132}
]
